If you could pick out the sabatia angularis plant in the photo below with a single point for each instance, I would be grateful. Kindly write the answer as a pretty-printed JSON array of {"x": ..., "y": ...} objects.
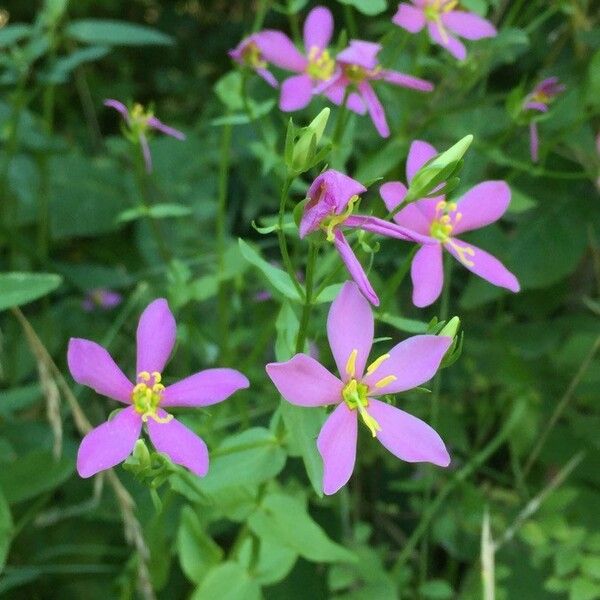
[
  {"x": 305, "y": 382},
  {"x": 112, "y": 442}
]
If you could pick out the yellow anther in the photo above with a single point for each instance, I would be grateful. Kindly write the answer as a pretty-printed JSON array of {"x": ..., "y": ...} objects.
[
  {"x": 441, "y": 205},
  {"x": 157, "y": 376},
  {"x": 377, "y": 363},
  {"x": 252, "y": 56},
  {"x": 330, "y": 223},
  {"x": 386, "y": 381},
  {"x": 462, "y": 252},
  {"x": 445, "y": 219},
  {"x": 144, "y": 376},
  {"x": 452, "y": 206},
  {"x": 351, "y": 365},
  {"x": 155, "y": 417},
  {"x": 368, "y": 420},
  {"x": 457, "y": 217}
]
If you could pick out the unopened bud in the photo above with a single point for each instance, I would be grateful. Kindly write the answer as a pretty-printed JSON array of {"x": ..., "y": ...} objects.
[{"x": 450, "y": 329}]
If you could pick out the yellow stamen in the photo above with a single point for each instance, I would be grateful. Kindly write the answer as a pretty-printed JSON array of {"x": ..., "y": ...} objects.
[
  {"x": 320, "y": 64},
  {"x": 330, "y": 223},
  {"x": 385, "y": 381},
  {"x": 463, "y": 252},
  {"x": 369, "y": 421},
  {"x": 377, "y": 363},
  {"x": 144, "y": 376},
  {"x": 351, "y": 364}
]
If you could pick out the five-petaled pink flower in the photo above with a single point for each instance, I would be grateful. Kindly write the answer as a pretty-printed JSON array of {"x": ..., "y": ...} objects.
[
  {"x": 139, "y": 121},
  {"x": 331, "y": 201},
  {"x": 112, "y": 442},
  {"x": 441, "y": 221},
  {"x": 314, "y": 69},
  {"x": 358, "y": 68},
  {"x": 305, "y": 382},
  {"x": 253, "y": 50},
  {"x": 539, "y": 99},
  {"x": 101, "y": 298},
  {"x": 442, "y": 22}
]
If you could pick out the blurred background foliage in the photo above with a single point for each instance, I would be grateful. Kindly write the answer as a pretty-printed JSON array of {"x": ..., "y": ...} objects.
[{"x": 519, "y": 410}]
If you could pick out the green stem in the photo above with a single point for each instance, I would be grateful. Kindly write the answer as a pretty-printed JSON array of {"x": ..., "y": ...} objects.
[
  {"x": 223, "y": 302},
  {"x": 435, "y": 406},
  {"x": 350, "y": 21},
  {"x": 141, "y": 177},
  {"x": 340, "y": 126},
  {"x": 471, "y": 467},
  {"x": 313, "y": 252},
  {"x": 285, "y": 255}
]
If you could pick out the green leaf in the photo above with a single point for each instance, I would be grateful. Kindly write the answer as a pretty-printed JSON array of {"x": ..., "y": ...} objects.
[
  {"x": 367, "y": 7},
  {"x": 59, "y": 72},
  {"x": 590, "y": 565},
  {"x": 116, "y": 33},
  {"x": 273, "y": 563},
  {"x": 436, "y": 589},
  {"x": 6, "y": 529},
  {"x": 197, "y": 551},
  {"x": 584, "y": 589},
  {"x": 593, "y": 86},
  {"x": 21, "y": 288},
  {"x": 164, "y": 211},
  {"x": 284, "y": 519},
  {"x": 34, "y": 474},
  {"x": 247, "y": 458},
  {"x": 11, "y": 34},
  {"x": 403, "y": 324},
  {"x": 279, "y": 279},
  {"x": 229, "y": 90},
  {"x": 228, "y": 581}
]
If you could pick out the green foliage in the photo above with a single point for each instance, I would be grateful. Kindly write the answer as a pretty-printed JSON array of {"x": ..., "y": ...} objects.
[{"x": 21, "y": 288}]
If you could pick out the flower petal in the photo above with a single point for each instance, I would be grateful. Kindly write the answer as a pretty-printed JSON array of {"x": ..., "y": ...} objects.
[
  {"x": 146, "y": 152},
  {"x": 110, "y": 443},
  {"x": 336, "y": 92},
  {"x": 170, "y": 131},
  {"x": 278, "y": 49},
  {"x": 350, "y": 327},
  {"x": 385, "y": 228},
  {"x": 407, "y": 81},
  {"x": 354, "y": 268},
  {"x": 409, "y": 17},
  {"x": 393, "y": 194},
  {"x": 90, "y": 364},
  {"x": 296, "y": 93},
  {"x": 337, "y": 446},
  {"x": 268, "y": 77},
  {"x": 468, "y": 25},
  {"x": 375, "y": 108},
  {"x": 454, "y": 46},
  {"x": 418, "y": 154},
  {"x": 427, "y": 274},
  {"x": 418, "y": 215},
  {"x": 155, "y": 337},
  {"x": 407, "y": 437},
  {"x": 539, "y": 106},
  {"x": 204, "y": 388},
  {"x": 305, "y": 382},
  {"x": 318, "y": 28},
  {"x": 118, "y": 106},
  {"x": 412, "y": 362},
  {"x": 486, "y": 266},
  {"x": 179, "y": 443},
  {"x": 482, "y": 205}
]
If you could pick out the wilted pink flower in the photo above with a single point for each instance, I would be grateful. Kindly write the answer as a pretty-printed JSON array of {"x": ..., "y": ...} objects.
[
  {"x": 139, "y": 121},
  {"x": 305, "y": 382},
  {"x": 251, "y": 52},
  {"x": 112, "y": 442},
  {"x": 331, "y": 201},
  {"x": 441, "y": 221},
  {"x": 442, "y": 21},
  {"x": 358, "y": 68},
  {"x": 101, "y": 298},
  {"x": 539, "y": 99}
]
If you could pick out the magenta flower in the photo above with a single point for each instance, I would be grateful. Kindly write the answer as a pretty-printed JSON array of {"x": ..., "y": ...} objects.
[
  {"x": 539, "y": 99},
  {"x": 101, "y": 298},
  {"x": 112, "y": 442},
  {"x": 305, "y": 382},
  {"x": 251, "y": 52},
  {"x": 358, "y": 68},
  {"x": 139, "y": 121},
  {"x": 442, "y": 21},
  {"x": 441, "y": 221},
  {"x": 331, "y": 201}
]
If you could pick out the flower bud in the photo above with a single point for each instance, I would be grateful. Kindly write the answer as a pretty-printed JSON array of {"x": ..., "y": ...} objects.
[
  {"x": 450, "y": 329},
  {"x": 303, "y": 155}
]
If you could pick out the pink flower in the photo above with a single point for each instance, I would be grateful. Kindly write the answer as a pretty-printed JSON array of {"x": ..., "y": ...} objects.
[
  {"x": 358, "y": 68},
  {"x": 112, "y": 442},
  {"x": 250, "y": 52},
  {"x": 101, "y": 298},
  {"x": 441, "y": 221},
  {"x": 539, "y": 99},
  {"x": 314, "y": 68},
  {"x": 139, "y": 121},
  {"x": 442, "y": 21},
  {"x": 305, "y": 382},
  {"x": 331, "y": 201}
]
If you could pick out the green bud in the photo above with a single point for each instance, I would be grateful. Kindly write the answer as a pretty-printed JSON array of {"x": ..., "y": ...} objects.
[
  {"x": 305, "y": 148},
  {"x": 450, "y": 329}
]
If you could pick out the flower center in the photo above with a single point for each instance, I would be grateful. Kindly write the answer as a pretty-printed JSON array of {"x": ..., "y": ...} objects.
[
  {"x": 139, "y": 118},
  {"x": 433, "y": 12},
  {"x": 320, "y": 64},
  {"x": 357, "y": 74},
  {"x": 328, "y": 224},
  {"x": 541, "y": 97},
  {"x": 252, "y": 56},
  {"x": 446, "y": 218},
  {"x": 146, "y": 396}
]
